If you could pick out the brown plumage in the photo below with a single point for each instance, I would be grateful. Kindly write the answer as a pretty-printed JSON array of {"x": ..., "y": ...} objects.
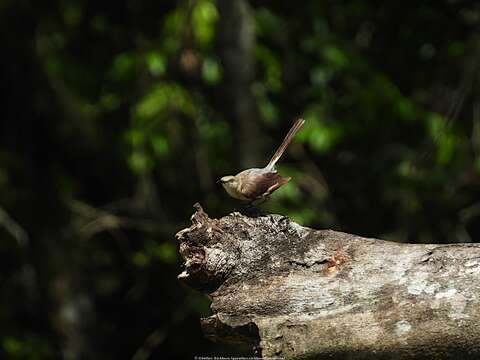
[{"x": 258, "y": 183}]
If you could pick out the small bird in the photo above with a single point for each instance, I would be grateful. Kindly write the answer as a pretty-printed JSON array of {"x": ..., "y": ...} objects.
[{"x": 256, "y": 184}]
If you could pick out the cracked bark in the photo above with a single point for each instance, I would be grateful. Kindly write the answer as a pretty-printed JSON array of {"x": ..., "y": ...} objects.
[{"x": 295, "y": 292}]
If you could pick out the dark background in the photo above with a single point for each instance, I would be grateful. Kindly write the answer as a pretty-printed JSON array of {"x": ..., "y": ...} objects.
[{"x": 117, "y": 116}]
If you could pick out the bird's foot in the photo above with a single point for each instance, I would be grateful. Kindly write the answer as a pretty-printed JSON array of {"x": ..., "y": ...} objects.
[{"x": 251, "y": 210}]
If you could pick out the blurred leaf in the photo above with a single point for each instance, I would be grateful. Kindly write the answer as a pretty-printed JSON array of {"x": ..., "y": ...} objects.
[
  {"x": 204, "y": 17},
  {"x": 319, "y": 134},
  {"x": 110, "y": 101},
  {"x": 446, "y": 147},
  {"x": 436, "y": 126},
  {"x": 160, "y": 145},
  {"x": 456, "y": 49},
  {"x": 289, "y": 192},
  {"x": 162, "y": 97},
  {"x": 135, "y": 137},
  {"x": 123, "y": 66},
  {"x": 273, "y": 69},
  {"x": 139, "y": 162},
  {"x": 30, "y": 347},
  {"x": 99, "y": 24},
  {"x": 323, "y": 138},
  {"x": 166, "y": 252},
  {"x": 268, "y": 111},
  {"x": 140, "y": 259},
  {"x": 310, "y": 44},
  {"x": 72, "y": 13},
  {"x": 319, "y": 76},
  {"x": 443, "y": 138},
  {"x": 477, "y": 165},
  {"x": 156, "y": 63},
  {"x": 12, "y": 346},
  {"x": 335, "y": 56},
  {"x": 268, "y": 23},
  {"x": 211, "y": 71}
]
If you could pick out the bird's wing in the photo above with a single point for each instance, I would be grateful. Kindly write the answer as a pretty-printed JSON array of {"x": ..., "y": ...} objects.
[{"x": 260, "y": 184}]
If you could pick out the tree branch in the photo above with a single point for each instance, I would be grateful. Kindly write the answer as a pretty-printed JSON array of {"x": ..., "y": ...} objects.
[{"x": 291, "y": 291}]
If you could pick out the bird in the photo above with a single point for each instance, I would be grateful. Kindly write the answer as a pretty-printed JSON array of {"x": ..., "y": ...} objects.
[{"x": 255, "y": 185}]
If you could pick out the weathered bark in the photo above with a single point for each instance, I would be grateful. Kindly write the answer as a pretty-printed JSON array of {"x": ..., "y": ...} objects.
[{"x": 295, "y": 292}]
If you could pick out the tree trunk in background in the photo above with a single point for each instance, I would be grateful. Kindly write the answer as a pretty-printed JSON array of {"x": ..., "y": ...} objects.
[
  {"x": 296, "y": 292},
  {"x": 235, "y": 41}
]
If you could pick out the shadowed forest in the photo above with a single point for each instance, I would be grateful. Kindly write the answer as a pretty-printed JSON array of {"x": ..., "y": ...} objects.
[{"x": 117, "y": 116}]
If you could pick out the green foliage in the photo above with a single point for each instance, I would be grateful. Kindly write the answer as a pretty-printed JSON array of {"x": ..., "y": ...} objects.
[
  {"x": 156, "y": 63},
  {"x": 319, "y": 133},
  {"x": 211, "y": 71},
  {"x": 31, "y": 347},
  {"x": 122, "y": 119},
  {"x": 163, "y": 252},
  {"x": 273, "y": 71},
  {"x": 161, "y": 98},
  {"x": 204, "y": 17}
]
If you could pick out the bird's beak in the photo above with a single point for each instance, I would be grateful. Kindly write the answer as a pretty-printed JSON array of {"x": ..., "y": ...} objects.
[{"x": 219, "y": 181}]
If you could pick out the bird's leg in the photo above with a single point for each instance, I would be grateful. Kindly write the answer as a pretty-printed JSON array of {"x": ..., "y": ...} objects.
[
  {"x": 249, "y": 209},
  {"x": 259, "y": 201}
]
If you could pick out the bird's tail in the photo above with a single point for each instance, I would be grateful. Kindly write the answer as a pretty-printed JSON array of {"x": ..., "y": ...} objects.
[{"x": 291, "y": 133}]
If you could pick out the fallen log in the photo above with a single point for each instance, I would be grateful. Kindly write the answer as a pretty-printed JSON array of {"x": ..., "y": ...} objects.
[{"x": 293, "y": 292}]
